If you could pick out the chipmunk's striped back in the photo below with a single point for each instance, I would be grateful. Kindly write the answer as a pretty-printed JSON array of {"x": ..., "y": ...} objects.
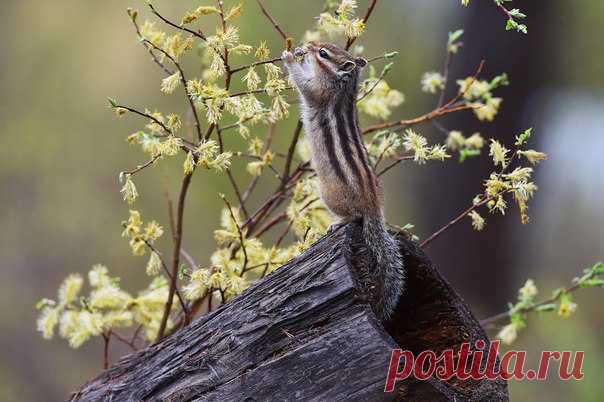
[
  {"x": 327, "y": 79},
  {"x": 340, "y": 159}
]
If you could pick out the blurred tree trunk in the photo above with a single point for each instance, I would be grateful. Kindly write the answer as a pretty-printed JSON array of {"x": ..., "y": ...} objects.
[{"x": 477, "y": 258}]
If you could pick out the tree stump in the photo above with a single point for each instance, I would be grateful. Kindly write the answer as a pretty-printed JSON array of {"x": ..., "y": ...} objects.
[{"x": 307, "y": 333}]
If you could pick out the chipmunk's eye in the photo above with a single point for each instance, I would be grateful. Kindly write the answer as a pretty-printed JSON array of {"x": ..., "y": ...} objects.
[{"x": 324, "y": 54}]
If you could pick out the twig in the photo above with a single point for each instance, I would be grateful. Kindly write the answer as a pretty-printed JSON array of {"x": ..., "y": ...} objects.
[
  {"x": 290, "y": 153},
  {"x": 365, "y": 19},
  {"x": 252, "y": 185},
  {"x": 463, "y": 93},
  {"x": 274, "y": 200},
  {"x": 198, "y": 33},
  {"x": 239, "y": 232},
  {"x": 272, "y": 20},
  {"x": 446, "y": 68},
  {"x": 183, "y": 305},
  {"x": 183, "y": 81},
  {"x": 234, "y": 125},
  {"x": 189, "y": 258},
  {"x": 381, "y": 157},
  {"x": 123, "y": 340},
  {"x": 171, "y": 215},
  {"x": 231, "y": 178},
  {"x": 149, "y": 49},
  {"x": 255, "y": 91},
  {"x": 106, "y": 339},
  {"x": 270, "y": 224},
  {"x": 136, "y": 332},
  {"x": 397, "y": 160},
  {"x": 451, "y": 106},
  {"x": 375, "y": 84},
  {"x": 141, "y": 167},
  {"x": 176, "y": 253},
  {"x": 258, "y": 63},
  {"x": 146, "y": 115},
  {"x": 454, "y": 221},
  {"x": 280, "y": 239},
  {"x": 434, "y": 114},
  {"x": 490, "y": 321}
]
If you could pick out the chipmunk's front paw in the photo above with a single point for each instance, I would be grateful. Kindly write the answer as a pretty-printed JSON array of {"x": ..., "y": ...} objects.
[{"x": 287, "y": 57}]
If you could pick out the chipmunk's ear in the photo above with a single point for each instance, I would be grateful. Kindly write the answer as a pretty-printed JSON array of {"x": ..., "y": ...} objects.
[{"x": 361, "y": 62}]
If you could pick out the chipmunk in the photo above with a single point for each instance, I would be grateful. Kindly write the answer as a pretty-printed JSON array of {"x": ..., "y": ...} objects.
[{"x": 327, "y": 78}]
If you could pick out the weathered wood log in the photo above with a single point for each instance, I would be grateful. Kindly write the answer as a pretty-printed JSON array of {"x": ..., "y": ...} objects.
[{"x": 307, "y": 333}]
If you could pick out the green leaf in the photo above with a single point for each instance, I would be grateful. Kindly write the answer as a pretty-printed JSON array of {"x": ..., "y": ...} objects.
[
  {"x": 387, "y": 68},
  {"x": 498, "y": 81},
  {"x": 523, "y": 137},
  {"x": 454, "y": 36},
  {"x": 112, "y": 102},
  {"x": 546, "y": 307},
  {"x": 511, "y": 24},
  {"x": 467, "y": 153},
  {"x": 516, "y": 13}
]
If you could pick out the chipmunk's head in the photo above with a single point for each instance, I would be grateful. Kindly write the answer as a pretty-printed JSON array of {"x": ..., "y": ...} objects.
[{"x": 323, "y": 70}]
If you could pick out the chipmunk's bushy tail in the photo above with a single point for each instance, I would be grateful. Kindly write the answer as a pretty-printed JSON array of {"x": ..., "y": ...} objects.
[{"x": 389, "y": 261}]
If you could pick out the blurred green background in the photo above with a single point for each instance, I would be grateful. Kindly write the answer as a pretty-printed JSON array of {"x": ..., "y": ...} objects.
[{"x": 61, "y": 150}]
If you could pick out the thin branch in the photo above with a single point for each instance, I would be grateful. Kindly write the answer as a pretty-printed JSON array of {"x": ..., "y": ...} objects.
[
  {"x": 397, "y": 160},
  {"x": 231, "y": 178},
  {"x": 106, "y": 339},
  {"x": 272, "y": 20},
  {"x": 189, "y": 258},
  {"x": 270, "y": 224},
  {"x": 365, "y": 19},
  {"x": 197, "y": 33},
  {"x": 141, "y": 167},
  {"x": 239, "y": 232},
  {"x": 291, "y": 222},
  {"x": 370, "y": 90},
  {"x": 381, "y": 157},
  {"x": 136, "y": 333},
  {"x": 275, "y": 199},
  {"x": 490, "y": 321},
  {"x": 454, "y": 221},
  {"x": 434, "y": 114},
  {"x": 146, "y": 115},
  {"x": 171, "y": 215},
  {"x": 258, "y": 63},
  {"x": 252, "y": 185},
  {"x": 451, "y": 106},
  {"x": 285, "y": 232},
  {"x": 149, "y": 49},
  {"x": 446, "y": 68},
  {"x": 176, "y": 253},
  {"x": 183, "y": 305},
  {"x": 183, "y": 81},
  {"x": 124, "y": 340},
  {"x": 235, "y": 125},
  {"x": 460, "y": 94},
  {"x": 255, "y": 91},
  {"x": 290, "y": 153}
]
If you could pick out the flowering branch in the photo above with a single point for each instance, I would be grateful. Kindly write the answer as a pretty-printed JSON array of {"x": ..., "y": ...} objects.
[
  {"x": 197, "y": 33},
  {"x": 183, "y": 81},
  {"x": 365, "y": 19}
]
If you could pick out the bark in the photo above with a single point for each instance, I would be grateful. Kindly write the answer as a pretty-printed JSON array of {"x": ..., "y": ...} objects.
[{"x": 307, "y": 332}]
